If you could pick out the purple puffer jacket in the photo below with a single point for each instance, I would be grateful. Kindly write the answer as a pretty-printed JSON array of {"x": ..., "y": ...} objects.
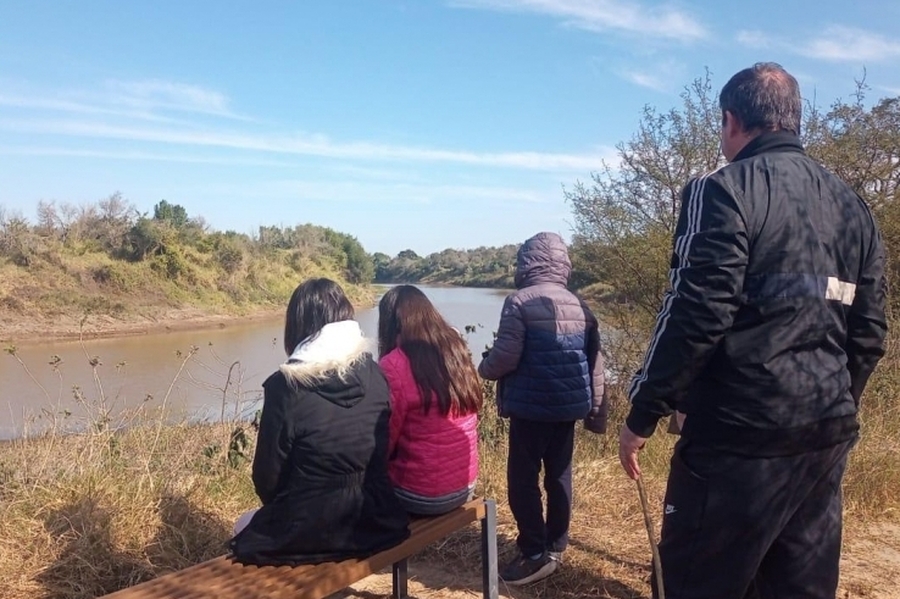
[{"x": 547, "y": 352}]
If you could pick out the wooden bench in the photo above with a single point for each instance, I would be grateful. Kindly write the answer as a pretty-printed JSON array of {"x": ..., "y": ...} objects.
[{"x": 224, "y": 578}]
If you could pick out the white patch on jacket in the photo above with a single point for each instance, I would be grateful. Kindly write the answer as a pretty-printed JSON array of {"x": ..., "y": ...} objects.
[{"x": 332, "y": 351}]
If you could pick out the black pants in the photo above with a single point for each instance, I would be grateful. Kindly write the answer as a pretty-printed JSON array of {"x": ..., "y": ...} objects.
[
  {"x": 530, "y": 445},
  {"x": 737, "y": 527}
]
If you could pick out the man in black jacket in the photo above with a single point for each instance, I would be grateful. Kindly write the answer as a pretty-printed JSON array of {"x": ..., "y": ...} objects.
[{"x": 774, "y": 321}]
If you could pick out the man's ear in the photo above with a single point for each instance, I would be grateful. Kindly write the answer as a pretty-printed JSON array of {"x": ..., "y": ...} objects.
[{"x": 731, "y": 123}]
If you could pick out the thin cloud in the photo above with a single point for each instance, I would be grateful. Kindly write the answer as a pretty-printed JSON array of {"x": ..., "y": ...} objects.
[
  {"x": 754, "y": 39},
  {"x": 836, "y": 43},
  {"x": 71, "y": 106},
  {"x": 381, "y": 193},
  {"x": 147, "y": 100},
  {"x": 848, "y": 44},
  {"x": 645, "y": 80},
  {"x": 139, "y": 156},
  {"x": 664, "y": 76},
  {"x": 155, "y": 94},
  {"x": 604, "y": 15},
  {"x": 316, "y": 145}
]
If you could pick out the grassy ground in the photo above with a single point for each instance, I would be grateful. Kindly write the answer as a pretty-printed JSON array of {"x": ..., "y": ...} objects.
[{"x": 88, "y": 514}]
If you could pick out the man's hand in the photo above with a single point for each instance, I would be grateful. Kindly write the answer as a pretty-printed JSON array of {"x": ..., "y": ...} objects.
[{"x": 629, "y": 445}]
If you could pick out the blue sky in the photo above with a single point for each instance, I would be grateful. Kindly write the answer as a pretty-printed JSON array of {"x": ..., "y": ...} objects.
[{"x": 409, "y": 124}]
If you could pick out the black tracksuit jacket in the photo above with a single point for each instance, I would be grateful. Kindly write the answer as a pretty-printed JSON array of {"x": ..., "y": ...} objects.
[{"x": 775, "y": 317}]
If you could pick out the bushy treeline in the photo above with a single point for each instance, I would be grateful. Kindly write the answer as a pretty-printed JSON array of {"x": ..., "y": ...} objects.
[
  {"x": 108, "y": 249},
  {"x": 479, "y": 267}
]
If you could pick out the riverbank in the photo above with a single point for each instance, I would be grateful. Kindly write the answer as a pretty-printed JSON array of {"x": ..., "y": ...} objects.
[
  {"x": 54, "y": 286},
  {"x": 25, "y": 330},
  {"x": 17, "y": 328}
]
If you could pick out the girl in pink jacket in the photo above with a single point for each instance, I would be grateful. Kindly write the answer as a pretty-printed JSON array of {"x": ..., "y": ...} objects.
[{"x": 435, "y": 399}]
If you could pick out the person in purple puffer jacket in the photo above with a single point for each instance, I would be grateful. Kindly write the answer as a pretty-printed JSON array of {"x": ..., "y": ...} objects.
[{"x": 548, "y": 362}]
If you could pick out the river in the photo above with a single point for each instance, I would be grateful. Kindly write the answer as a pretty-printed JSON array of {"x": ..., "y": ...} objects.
[{"x": 55, "y": 382}]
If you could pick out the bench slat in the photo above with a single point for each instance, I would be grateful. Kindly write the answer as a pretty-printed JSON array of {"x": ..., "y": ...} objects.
[{"x": 224, "y": 578}]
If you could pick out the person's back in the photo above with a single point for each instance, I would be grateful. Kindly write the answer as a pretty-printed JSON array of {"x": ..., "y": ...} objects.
[
  {"x": 435, "y": 399},
  {"x": 320, "y": 467},
  {"x": 780, "y": 374},
  {"x": 549, "y": 367},
  {"x": 773, "y": 324},
  {"x": 545, "y": 365},
  {"x": 432, "y": 454}
]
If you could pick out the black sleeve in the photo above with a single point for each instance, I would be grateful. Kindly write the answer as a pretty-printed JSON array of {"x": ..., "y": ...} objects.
[
  {"x": 709, "y": 260},
  {"x": 866, "y": 322},
  {"x": 273, "y": 442}
]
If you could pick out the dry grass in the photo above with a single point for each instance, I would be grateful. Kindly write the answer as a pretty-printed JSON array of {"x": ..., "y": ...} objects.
[{"x": 86, "y": 514}]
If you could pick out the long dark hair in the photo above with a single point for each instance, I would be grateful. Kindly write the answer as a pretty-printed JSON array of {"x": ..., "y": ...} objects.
[
  {"x": 440, "y": 360},
  {"x": 314, "y": 304}
]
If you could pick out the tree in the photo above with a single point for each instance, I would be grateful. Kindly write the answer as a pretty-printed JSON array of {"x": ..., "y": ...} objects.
[
  {"x": 380, "y": 262},
  {"x": 173, "y": 214},
  {"x": 624, "y": 220},
  {"x": 359, "y": 266}
]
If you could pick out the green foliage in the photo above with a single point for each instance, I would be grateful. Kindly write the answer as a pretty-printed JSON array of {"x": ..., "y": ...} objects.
[
  {"x": 18, "y": 242},
  {"x": 229, "y": 252},
  {"x": 625, "y": 218},
  {"x": 359, "y": 267},
  {"x": 173, "y": 214},
  {"x": 147, "y": 237},
  {"x": 239, "y": 447},
  {"x": 107, "y": 258},
  {"x": 480, "y": 267},
  {"x": 171, "y": 264},
  {"x": 321, "y": 246}
]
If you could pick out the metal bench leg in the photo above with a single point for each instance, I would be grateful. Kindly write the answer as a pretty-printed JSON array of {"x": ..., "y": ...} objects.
[
  {"x": 490, "y": 586},
  {"x": 400, "y": 579}
]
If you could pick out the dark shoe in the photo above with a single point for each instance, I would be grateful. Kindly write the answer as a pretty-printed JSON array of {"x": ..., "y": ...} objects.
[{"x": 523, "y": 570}]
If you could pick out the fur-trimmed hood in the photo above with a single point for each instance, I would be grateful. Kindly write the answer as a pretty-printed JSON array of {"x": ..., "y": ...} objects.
[{"x": 325, "y": 362}]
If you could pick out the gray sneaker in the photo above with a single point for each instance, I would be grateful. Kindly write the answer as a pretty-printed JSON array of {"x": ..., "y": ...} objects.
[{"x": 523, "y": 570}]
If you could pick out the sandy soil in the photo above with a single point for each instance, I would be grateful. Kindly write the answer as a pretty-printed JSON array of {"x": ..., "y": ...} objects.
[{"x": 15, "y": 329}]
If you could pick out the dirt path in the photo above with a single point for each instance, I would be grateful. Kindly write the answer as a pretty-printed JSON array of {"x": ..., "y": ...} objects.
[
  {"x": 870, "y": 569},
  {"x": 870, "y": 564}
]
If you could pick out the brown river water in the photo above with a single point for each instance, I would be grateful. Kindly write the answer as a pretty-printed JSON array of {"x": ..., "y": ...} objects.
[{"x": 148, "y": 371}]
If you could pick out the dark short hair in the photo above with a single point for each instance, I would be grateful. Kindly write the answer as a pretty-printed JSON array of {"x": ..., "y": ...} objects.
[
  {"x": 763, "y": 97},
  {"x": 314, "y": 304}
]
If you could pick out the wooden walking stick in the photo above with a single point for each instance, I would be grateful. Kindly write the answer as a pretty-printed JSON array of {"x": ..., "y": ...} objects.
[{"x": 648, "y": 523}]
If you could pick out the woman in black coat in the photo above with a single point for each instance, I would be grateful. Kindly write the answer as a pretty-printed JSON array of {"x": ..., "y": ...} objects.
[{"x": 320, "y": 467}]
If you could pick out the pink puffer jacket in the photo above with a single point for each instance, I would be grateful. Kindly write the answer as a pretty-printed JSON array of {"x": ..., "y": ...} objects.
[{"x": 430, "y": 455}]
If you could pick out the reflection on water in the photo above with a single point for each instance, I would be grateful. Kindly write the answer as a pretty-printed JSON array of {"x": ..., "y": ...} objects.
[{"x": 223, "y": 375}]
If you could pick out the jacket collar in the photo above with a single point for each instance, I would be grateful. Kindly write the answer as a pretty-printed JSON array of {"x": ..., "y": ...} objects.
[
  {"x": 332, "y": 350},
  {"x": 771, "y": 141}
]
